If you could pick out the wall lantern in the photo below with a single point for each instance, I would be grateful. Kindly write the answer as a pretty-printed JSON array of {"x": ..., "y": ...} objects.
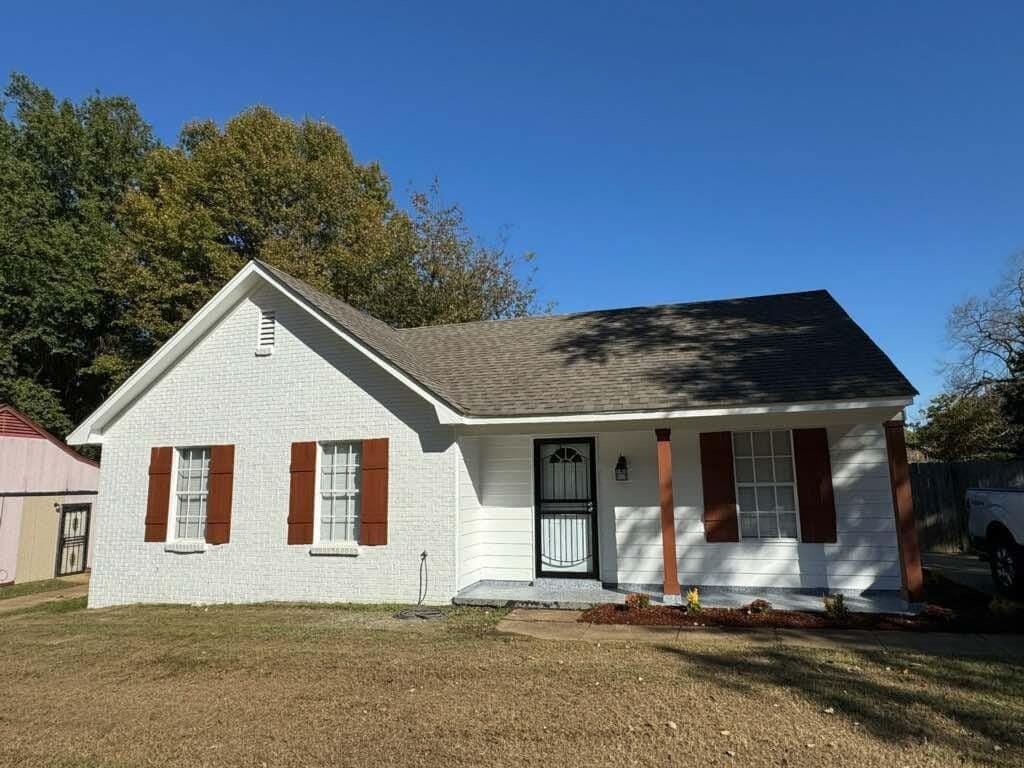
[{"x": 622, "y": 469}]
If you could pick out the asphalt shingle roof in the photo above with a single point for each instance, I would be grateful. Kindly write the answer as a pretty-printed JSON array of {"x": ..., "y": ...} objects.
[{"x": 784, "y": 348}]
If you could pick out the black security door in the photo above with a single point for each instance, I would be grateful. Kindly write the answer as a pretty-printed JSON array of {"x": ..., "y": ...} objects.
[
  {"x": 72, "y": 539},
  {"x": 566, "y": 507}
]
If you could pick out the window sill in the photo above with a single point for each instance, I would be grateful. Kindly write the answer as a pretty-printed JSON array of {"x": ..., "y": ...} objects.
[
  {"x": 185, "y": 547},
  {"x": 335, "y": 550}
]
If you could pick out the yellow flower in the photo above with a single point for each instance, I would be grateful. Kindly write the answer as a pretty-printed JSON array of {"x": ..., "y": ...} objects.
[{"x": 693, "y": 599}]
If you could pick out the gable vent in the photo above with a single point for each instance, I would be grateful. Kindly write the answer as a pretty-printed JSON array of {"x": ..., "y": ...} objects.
[
  {"x": 268, "y": 325},
  {"x": 13, "y": 426}
]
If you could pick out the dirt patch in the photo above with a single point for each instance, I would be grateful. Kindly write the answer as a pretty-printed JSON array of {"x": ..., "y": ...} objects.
[
  {"x": 950, "y": 608},
  {"x": 676, "y": 616}
]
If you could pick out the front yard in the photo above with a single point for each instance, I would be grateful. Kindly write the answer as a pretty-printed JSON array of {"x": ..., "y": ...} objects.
[{"x": 303, "y": 686}]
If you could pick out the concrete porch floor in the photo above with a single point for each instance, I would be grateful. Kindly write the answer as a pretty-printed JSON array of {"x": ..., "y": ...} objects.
[{"x": 579, "y": 594}]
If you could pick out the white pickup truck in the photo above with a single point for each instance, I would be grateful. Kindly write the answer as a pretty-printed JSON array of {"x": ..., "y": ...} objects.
[{"x": 995, "y": 522}]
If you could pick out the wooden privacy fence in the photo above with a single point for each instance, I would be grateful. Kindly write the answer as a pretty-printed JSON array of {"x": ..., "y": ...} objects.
[{"x": 940, "y": 489}]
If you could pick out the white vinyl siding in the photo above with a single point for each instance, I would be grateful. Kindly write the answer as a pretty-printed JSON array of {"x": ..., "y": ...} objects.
[
  {"x": 473, "y": 545},
  {"x": 193, "y": 475},
  {"x": 339, "y": 492},
  {"x": 499, "y": 537},
  {"x": 765, "y": 484}
]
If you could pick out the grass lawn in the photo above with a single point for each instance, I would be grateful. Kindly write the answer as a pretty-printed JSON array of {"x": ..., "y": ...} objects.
[
  {"x": 307, "y": 686},
  {"x": 32, "y": 587}
]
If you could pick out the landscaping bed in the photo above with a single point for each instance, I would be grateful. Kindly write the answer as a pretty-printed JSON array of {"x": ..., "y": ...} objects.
[{"x": 949, "y": 607}]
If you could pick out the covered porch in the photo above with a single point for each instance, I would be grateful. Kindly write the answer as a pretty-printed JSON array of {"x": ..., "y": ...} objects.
[{"x": 570, "y": 515}]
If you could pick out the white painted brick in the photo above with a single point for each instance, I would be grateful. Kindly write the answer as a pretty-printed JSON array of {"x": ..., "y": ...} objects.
[{"x": 313, "y": 387}]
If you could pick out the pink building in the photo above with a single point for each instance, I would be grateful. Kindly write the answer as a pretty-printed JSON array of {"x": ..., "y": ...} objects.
[{"x": 47, "y": 494}]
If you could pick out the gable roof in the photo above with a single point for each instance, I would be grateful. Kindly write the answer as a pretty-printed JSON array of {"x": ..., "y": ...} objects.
[
  {"x": 13, "y": 423},
  {"x": 375, "y": 334},
  {"x": 785, "y": 352},
  {"x": 782, "y": 348}
]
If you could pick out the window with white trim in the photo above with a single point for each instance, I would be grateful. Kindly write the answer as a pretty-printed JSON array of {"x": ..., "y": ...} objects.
[
  {"x": 193, "y": 475},
  {"x": 339, "y": 492},
  {"x": 765, "y": 484}
]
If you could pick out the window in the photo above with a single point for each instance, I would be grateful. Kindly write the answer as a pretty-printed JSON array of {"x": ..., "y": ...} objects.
[
  {"x": 190, "y": 503},
  {"x": 339, "y": 492},
  {"x": 765, "y": 484}
]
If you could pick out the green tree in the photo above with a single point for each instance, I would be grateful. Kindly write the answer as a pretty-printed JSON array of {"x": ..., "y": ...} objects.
[
  {"x": 965, "y": 426},
  {"x": 63, "y": 171},
  {"x": 290, "y": 193},
  {"x": 458, "y": 278},
  {"x": 109, "y": 241}
]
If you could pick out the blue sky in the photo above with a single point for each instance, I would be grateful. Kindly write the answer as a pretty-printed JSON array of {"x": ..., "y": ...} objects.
[{"x": 648, "y": 152}]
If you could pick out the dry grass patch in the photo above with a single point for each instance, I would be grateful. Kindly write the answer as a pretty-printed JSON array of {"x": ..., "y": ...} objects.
[
  {"x": 304, "y": 686},
  {"x": 35, "y": 587}
]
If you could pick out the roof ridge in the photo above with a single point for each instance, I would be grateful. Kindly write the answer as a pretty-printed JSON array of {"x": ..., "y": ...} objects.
[
  {"x": 633, "y": 308},
  {"x": 793, "y": 346}
]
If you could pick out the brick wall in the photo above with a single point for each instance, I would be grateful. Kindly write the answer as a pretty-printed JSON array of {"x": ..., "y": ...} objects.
[{"x": 313, "y": 387}]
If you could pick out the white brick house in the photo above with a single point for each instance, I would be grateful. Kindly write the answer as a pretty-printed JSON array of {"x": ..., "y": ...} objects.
[{"x": 283, "y": 446}]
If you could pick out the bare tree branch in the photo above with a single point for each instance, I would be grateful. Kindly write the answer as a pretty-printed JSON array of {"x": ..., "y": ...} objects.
[{"x": 987, "y": 335}]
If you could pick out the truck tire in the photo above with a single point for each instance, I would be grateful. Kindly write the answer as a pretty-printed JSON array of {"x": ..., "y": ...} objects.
[{"x": 1007, "y": 562}]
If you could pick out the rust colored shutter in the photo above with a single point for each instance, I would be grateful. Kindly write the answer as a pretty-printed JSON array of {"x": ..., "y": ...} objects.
[
  {"x": 303, "y": 491},
  {"x": 716, "y": 472},
  {"x": 814, "y": 485},
  {"x": 219, "y": 491},
  {"x": 373, "y": 491},
  {"x": 158, "y": 504}
]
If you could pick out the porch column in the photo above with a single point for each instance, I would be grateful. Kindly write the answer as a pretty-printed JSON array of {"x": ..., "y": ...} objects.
[
  {"x": 903, "y": 504},
  {"x": 668, "y": 516}
]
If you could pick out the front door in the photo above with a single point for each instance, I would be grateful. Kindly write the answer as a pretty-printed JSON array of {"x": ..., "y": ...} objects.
[
  {"x": 72, "y": 539},
  {"x": 566, "y": 507}
]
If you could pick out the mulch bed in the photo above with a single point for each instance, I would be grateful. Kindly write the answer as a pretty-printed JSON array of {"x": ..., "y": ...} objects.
[{"x": 949, "y": 608}]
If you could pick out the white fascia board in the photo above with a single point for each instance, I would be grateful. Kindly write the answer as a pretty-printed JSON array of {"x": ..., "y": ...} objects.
[
  {"x": 90, "y": 431},
  {"x": 824, "y": 406}
]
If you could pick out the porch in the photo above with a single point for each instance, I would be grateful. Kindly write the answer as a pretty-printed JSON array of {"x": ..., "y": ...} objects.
[
  {"x": 549, "y": 516},
  {"x": 580, "y": 594}
]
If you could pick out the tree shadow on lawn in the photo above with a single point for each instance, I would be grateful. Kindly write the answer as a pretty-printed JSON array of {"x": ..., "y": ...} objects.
[{"x": 937, "y": 698}]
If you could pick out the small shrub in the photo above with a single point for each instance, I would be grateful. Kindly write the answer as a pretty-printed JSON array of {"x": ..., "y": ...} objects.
[
  {"x": 759, "y": 606},
  {"x": 835, "y": 606},
  {"x": 938, "y": 612},
  {"x": 693, "y": 600},
  {"x": 635, "y": 600}
]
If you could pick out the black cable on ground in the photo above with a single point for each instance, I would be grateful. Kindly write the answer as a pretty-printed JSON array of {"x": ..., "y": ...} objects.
[{"x": 424, "y": 612}]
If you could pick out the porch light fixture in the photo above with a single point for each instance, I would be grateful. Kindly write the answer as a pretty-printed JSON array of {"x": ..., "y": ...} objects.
[{"x": 621, "y": 469}]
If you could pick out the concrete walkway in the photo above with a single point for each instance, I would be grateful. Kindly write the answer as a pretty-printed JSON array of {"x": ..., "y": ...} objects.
[
  {"x": 78, "y": 587},
  {"x": 564, "y": 625}
]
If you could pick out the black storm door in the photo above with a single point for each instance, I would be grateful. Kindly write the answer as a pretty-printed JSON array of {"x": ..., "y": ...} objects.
[{"x": 566, "y": 507}]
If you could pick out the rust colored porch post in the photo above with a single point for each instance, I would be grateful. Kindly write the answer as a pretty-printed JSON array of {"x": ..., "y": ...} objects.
[
  {"x": 903, "y": 504},
  {"x": 668, "y": 516}
]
